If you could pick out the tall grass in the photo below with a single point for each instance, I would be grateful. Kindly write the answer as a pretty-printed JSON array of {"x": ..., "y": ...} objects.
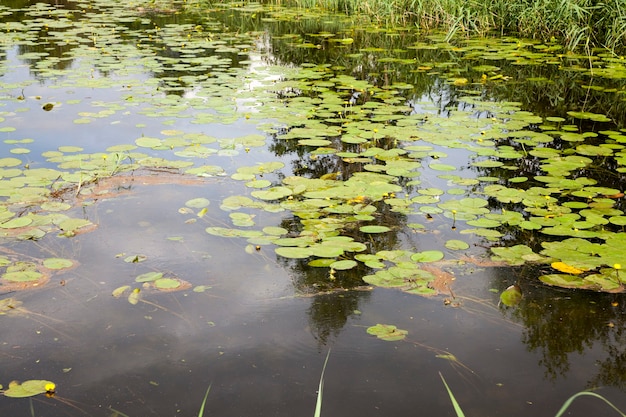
[{"x": 576, "y": 23}]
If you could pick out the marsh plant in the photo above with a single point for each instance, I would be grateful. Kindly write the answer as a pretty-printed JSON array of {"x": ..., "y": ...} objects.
[{"x": 577, "y": 23}]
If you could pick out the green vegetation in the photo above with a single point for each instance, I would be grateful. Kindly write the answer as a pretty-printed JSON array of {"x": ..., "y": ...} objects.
[
  {"x": 566, "y": 405},
  {"x": 578, "y": 23},
  {"x": 349, "y": 152}
]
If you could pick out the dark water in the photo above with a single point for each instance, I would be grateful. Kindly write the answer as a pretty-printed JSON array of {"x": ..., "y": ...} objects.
[{"x": 259, "y": 335}]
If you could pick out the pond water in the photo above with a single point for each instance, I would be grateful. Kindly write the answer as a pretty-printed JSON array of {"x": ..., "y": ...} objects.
[{"x": 197, "y": 196}]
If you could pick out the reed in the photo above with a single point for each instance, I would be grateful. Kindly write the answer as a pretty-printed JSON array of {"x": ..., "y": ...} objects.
[{"x": 576, "y": 23}]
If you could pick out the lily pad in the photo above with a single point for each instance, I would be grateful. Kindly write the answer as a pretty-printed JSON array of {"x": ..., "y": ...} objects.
[
  {"x": 455, "y": 244},
  {"x": 511, "y": 297},
  {"x": 374, "y": 229},
  {"x": 199, "y": 202},
  {"x": 58, "y": 263},
  {"x": 167, "y": 283},
  {"x": 343, "y": 265},
  {"x": 293, "y": 252},
  {"x": 387, "y": 332},
  {"x": 29, "y": 388}
]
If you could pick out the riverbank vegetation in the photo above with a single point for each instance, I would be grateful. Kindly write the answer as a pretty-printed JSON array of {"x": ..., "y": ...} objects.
[{"x": 576, "y": 23}]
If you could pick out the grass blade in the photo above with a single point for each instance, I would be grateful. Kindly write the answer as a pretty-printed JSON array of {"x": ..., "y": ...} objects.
[
  {"x": 118, "y": 413},
  {"x": 318, "y": 405},
  {"x": 571, "y": 399},
  {"x": 201, "y": 412},
  {"x": 455, "y": 404}
]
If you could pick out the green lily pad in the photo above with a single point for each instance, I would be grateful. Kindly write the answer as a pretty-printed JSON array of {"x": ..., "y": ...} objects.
[
  {"x": 343, "y": 265},
  {"x": 58, "y": 263},
  {"x": 199, "y": 202},
  {"x": 374, "y": 229},
  {"x": 455, "y": 244},
  {"x": 511, "y": 297},
  {"x": 387, "y": 332},
  {"x": 16, "y": 223},
  {"x": 274, "y": 193},
  {"x": 293, "y": 252},
  {"x": 563, "y": 280},
  {"x": 134, "y": 296},
  {"x": 149, "y": 276},
  {"x": 71, "y": 225},
  {"x": 167, "y": 283},
  {"x": 427, "y": 256},
  {"x": 118, "y": 292},
  {"x": 29, "y": 388}
]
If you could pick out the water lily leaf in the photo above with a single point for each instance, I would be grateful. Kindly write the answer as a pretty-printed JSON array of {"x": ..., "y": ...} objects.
[
  {"x": 235, "y": 202},
  {"x": 327, "y": 250},
  {"x": 515, "y": 255},
  {"x": 135, "y": 259},
  {"x": 374, "y": 229},
  {"x": 274, "y": 193},
  {"x": 147, "y": 142},
  {"x": 199, "y": 202},
  {"x": 618, "y": 220},
  {"x": 293, "y": 252},
  {"x": 17, "y": 223},
  {"x": 22, "y": 276},
  {"x": 563, "y": 280},
  {"x": 314, "y": 142},
  {"x": 441, "y": 167},
  {"x": 58, "y": 263},
  {"x": 455, "y": 244},
  {"x": 149, "y": 276},
  {"x": 387, "y": 332},
  {"x": 591, "y": 150},
  {"x": 322, "y": 262},
  {"x": 55, "y": 206},
  {"x": 28, "y": 388},
  {"x": 590, "y": 116},
  {"x": 607, "y": 280},
  {"x": 275, "y": 231},
  {"x": 118, "y": 292},
  {"x": 385, "y": 279},
  {"x": 10, "y": 162},
  {"x": 427, "y": 256},
  {"x": 167, "y": 283},
  {"x": 258, "y": 184},
  {"x": 134, "y": 296},
  {"x": 343, "y": 265},
  {"x": 71, "y": 225},
  {"x": 483, "y": 222},
  {"x": 512, "y": 296}
]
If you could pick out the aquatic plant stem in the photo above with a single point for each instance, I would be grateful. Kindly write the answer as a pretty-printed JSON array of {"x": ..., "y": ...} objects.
[
  {"x": 455, "y": 404},
  {"x": 201, "y": 412},
  {"x": 318, "y": 404}
]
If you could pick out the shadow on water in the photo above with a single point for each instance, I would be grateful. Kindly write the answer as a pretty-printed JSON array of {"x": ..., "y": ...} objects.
[{"x": 254, "y": 325}]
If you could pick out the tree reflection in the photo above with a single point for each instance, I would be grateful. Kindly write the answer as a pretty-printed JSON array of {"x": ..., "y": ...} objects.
[{"x": 561, "y": 324}]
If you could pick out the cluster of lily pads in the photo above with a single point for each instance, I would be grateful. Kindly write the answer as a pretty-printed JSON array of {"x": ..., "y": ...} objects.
[{"x": 371, "y": 157}]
